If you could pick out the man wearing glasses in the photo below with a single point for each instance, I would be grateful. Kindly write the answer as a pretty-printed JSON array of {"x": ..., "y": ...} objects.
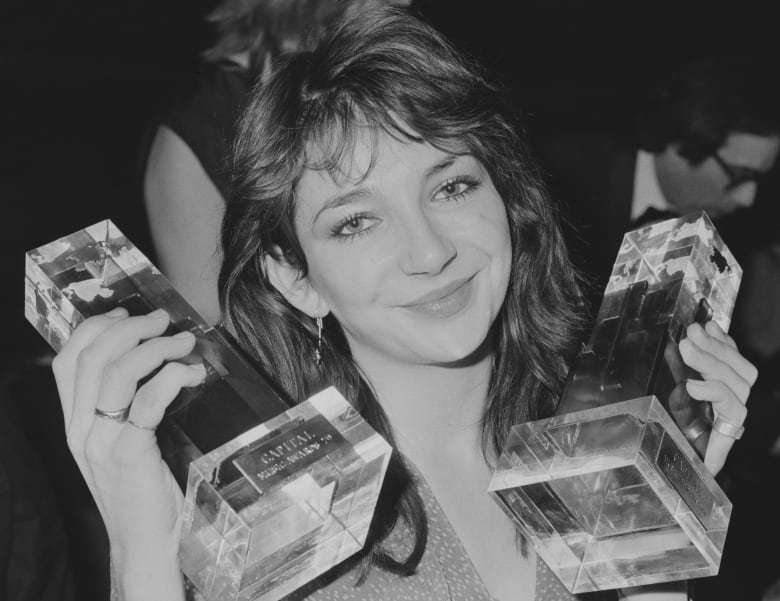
[
  {"x": 706, "y": 137},
  {"x": 709, "y": 133}
]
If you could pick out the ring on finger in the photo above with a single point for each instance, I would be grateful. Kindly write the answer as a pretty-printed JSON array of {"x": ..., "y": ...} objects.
[
  {"x": 727, "y": 428},
  {"x": 135, "y": 424},
  {"x": 119, "y": 415}
]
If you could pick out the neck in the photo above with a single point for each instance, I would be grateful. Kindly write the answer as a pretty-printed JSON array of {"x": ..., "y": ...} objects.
[{"x": 434, "y": 410}]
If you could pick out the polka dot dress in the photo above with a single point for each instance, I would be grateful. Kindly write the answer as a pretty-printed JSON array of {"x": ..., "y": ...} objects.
[{"x": 444, "y": 574}]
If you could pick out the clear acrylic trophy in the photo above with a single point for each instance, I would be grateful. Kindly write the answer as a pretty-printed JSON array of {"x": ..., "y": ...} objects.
[
  {"x": 611, "y": 491},
  {"x": 275, "y": 493}
]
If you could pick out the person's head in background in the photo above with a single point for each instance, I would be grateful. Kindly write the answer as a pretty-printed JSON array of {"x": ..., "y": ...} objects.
[
  {"x": 713, "y": 127},
  {"x": 253, "y": 32}
]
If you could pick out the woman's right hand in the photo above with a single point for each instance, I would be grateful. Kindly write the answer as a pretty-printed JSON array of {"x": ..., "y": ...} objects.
[{"x": 139, "y": 501}]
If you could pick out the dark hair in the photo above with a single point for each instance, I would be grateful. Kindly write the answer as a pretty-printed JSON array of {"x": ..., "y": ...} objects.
[
  {"x": 266, "y": 28},
  {"x": 700, "y": 102},
  {"x": 400, "y": 76}
]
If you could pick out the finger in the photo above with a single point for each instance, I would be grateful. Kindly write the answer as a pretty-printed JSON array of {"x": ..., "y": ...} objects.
[
  {"x": 725, "y": 351},
  {"x": 64, "y": 370},
  {"x": 121, "y": 376},
  {"x": 724, "y": 402},
  {"x": 728, "y": 407},
  {"x": 150, "y": 403},
  {"x": 119, "y": 384},
  {"x": 714, "y": 330},
  {"x": 108, "y": 343},
  {"x": 717, "y": 451},
  {"x": 713, "y": 369},
  {"x": 64, "y": 364},
  {"x": 712, "y": 339},
  {"x": 133, "y": 481},
  {"x": 111, "y": 343}
]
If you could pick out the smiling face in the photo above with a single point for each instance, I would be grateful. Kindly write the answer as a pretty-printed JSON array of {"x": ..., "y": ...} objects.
[{"x": 411, "y": 254}]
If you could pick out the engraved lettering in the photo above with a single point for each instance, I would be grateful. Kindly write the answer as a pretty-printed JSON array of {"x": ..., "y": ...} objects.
[
  {"x": 281, "y": 450},
  {"x": 684, "y": 480},
  {"x": 290, "y": 451}
]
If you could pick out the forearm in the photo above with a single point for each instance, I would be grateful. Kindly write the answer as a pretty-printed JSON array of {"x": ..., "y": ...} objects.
[
  {"x": 185, "y": 213},
  {"x": 151, "y": 579}
]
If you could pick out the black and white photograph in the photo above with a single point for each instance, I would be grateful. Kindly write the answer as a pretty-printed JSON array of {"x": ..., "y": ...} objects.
[{"x": 427, "y": 209}]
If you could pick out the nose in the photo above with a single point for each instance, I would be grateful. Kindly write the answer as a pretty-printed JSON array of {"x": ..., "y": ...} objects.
[
  {"x": 744, "y": 195},
  {"x": 427, "y": 249}
]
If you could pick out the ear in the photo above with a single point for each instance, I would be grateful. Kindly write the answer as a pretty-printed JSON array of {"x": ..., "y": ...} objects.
[{"x": 297, "y": 289}]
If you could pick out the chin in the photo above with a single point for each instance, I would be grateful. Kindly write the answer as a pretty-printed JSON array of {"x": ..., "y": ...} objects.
[{"x": 467, "y": 349}]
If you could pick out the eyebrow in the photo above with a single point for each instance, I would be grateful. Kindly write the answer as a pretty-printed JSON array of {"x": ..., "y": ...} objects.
[
  {"x": 342, "y": 199},
  {"x": 441, "y": 165}
]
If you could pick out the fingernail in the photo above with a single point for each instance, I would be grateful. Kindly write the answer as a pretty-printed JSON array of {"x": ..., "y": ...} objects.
[
  {"x": 184, "y": 334},
  {"x": 158, "y": 314},
  {"x": 118, "y": 312},
  {"x": 695, "y": 383}
]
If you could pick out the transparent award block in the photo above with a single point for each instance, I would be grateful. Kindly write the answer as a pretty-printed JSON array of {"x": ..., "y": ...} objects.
[
  {"x": 611, "y": 491},
  {"x": 275, "y": 493}
]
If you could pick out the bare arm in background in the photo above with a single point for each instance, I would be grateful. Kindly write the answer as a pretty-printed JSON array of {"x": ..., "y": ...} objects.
[{"x": 185, "y": 213}]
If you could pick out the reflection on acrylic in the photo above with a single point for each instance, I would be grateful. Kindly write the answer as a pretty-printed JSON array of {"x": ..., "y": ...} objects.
[
  {"x": 275, "y": 493},
  {"x": 611, "y": 492}
]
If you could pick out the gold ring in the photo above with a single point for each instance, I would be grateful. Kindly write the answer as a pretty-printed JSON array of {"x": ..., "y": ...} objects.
[
  {"x": 139, "y": 426},
  {"x": 120, "y": 415},
  {"x": 727, "y": 428}
]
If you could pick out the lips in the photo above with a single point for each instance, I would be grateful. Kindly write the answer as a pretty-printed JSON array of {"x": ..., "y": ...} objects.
[{"x": 444, "y": 301}]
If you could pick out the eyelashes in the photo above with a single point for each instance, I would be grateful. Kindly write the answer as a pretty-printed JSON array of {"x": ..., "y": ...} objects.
[
  {"x": 360, "y": 223},
  {"x": 353, "y": 226},
  {"x": 456, "y": 188}
]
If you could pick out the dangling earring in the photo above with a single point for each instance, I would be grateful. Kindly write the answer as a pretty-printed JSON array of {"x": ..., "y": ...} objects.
[{"x": 318, "y": 349}]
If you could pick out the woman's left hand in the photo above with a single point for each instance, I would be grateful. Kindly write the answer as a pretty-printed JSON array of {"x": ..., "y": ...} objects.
[{"x": 727, "y": 378}]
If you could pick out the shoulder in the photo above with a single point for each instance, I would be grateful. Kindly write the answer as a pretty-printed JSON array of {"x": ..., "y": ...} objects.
[
  {"x": 212, "y": 100},
  {"x": 204, "y": 115}
]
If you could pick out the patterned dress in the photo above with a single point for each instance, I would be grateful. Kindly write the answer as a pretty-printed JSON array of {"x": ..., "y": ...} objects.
[{"x": 445, "y": 573}]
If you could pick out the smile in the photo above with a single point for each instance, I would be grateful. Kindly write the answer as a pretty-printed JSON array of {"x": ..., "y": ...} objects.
[{"x": 445, "y": 301}]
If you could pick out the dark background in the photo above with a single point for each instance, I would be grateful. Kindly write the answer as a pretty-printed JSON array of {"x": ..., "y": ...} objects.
[{"x": 80, "y": 80}]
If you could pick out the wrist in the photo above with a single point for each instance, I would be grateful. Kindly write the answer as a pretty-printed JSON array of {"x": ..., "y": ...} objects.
[{"x": 147, "y": 576}]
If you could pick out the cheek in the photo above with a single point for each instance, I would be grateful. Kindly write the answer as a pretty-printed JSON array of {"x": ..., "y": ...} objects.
[
  {"x": 346, "y": 279},
  {"x": 500, "y": 236},
  {"x": 496, "y": 242}
]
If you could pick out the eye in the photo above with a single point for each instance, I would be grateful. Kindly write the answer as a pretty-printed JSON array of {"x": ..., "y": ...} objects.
[
  {"x": 353, "y": 226},
  {"x": 456, "y": 188}
]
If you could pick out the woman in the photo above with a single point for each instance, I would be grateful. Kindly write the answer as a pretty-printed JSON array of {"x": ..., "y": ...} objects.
[{"x": 380, "y": 188}]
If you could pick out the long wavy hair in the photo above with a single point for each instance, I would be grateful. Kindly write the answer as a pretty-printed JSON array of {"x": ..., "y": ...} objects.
[{"x": 393, "y": 72}]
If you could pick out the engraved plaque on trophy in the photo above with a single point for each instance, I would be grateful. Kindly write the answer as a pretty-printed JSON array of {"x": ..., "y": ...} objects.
[
  {"x": 275, "y": 493},
  {"x": 611, "y": 491}
]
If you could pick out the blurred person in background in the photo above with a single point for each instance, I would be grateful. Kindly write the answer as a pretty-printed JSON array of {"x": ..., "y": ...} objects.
[{"x": 706, "y": 134}]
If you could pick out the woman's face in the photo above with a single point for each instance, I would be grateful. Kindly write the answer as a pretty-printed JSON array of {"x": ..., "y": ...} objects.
[{"x": 414, "y": 259}]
